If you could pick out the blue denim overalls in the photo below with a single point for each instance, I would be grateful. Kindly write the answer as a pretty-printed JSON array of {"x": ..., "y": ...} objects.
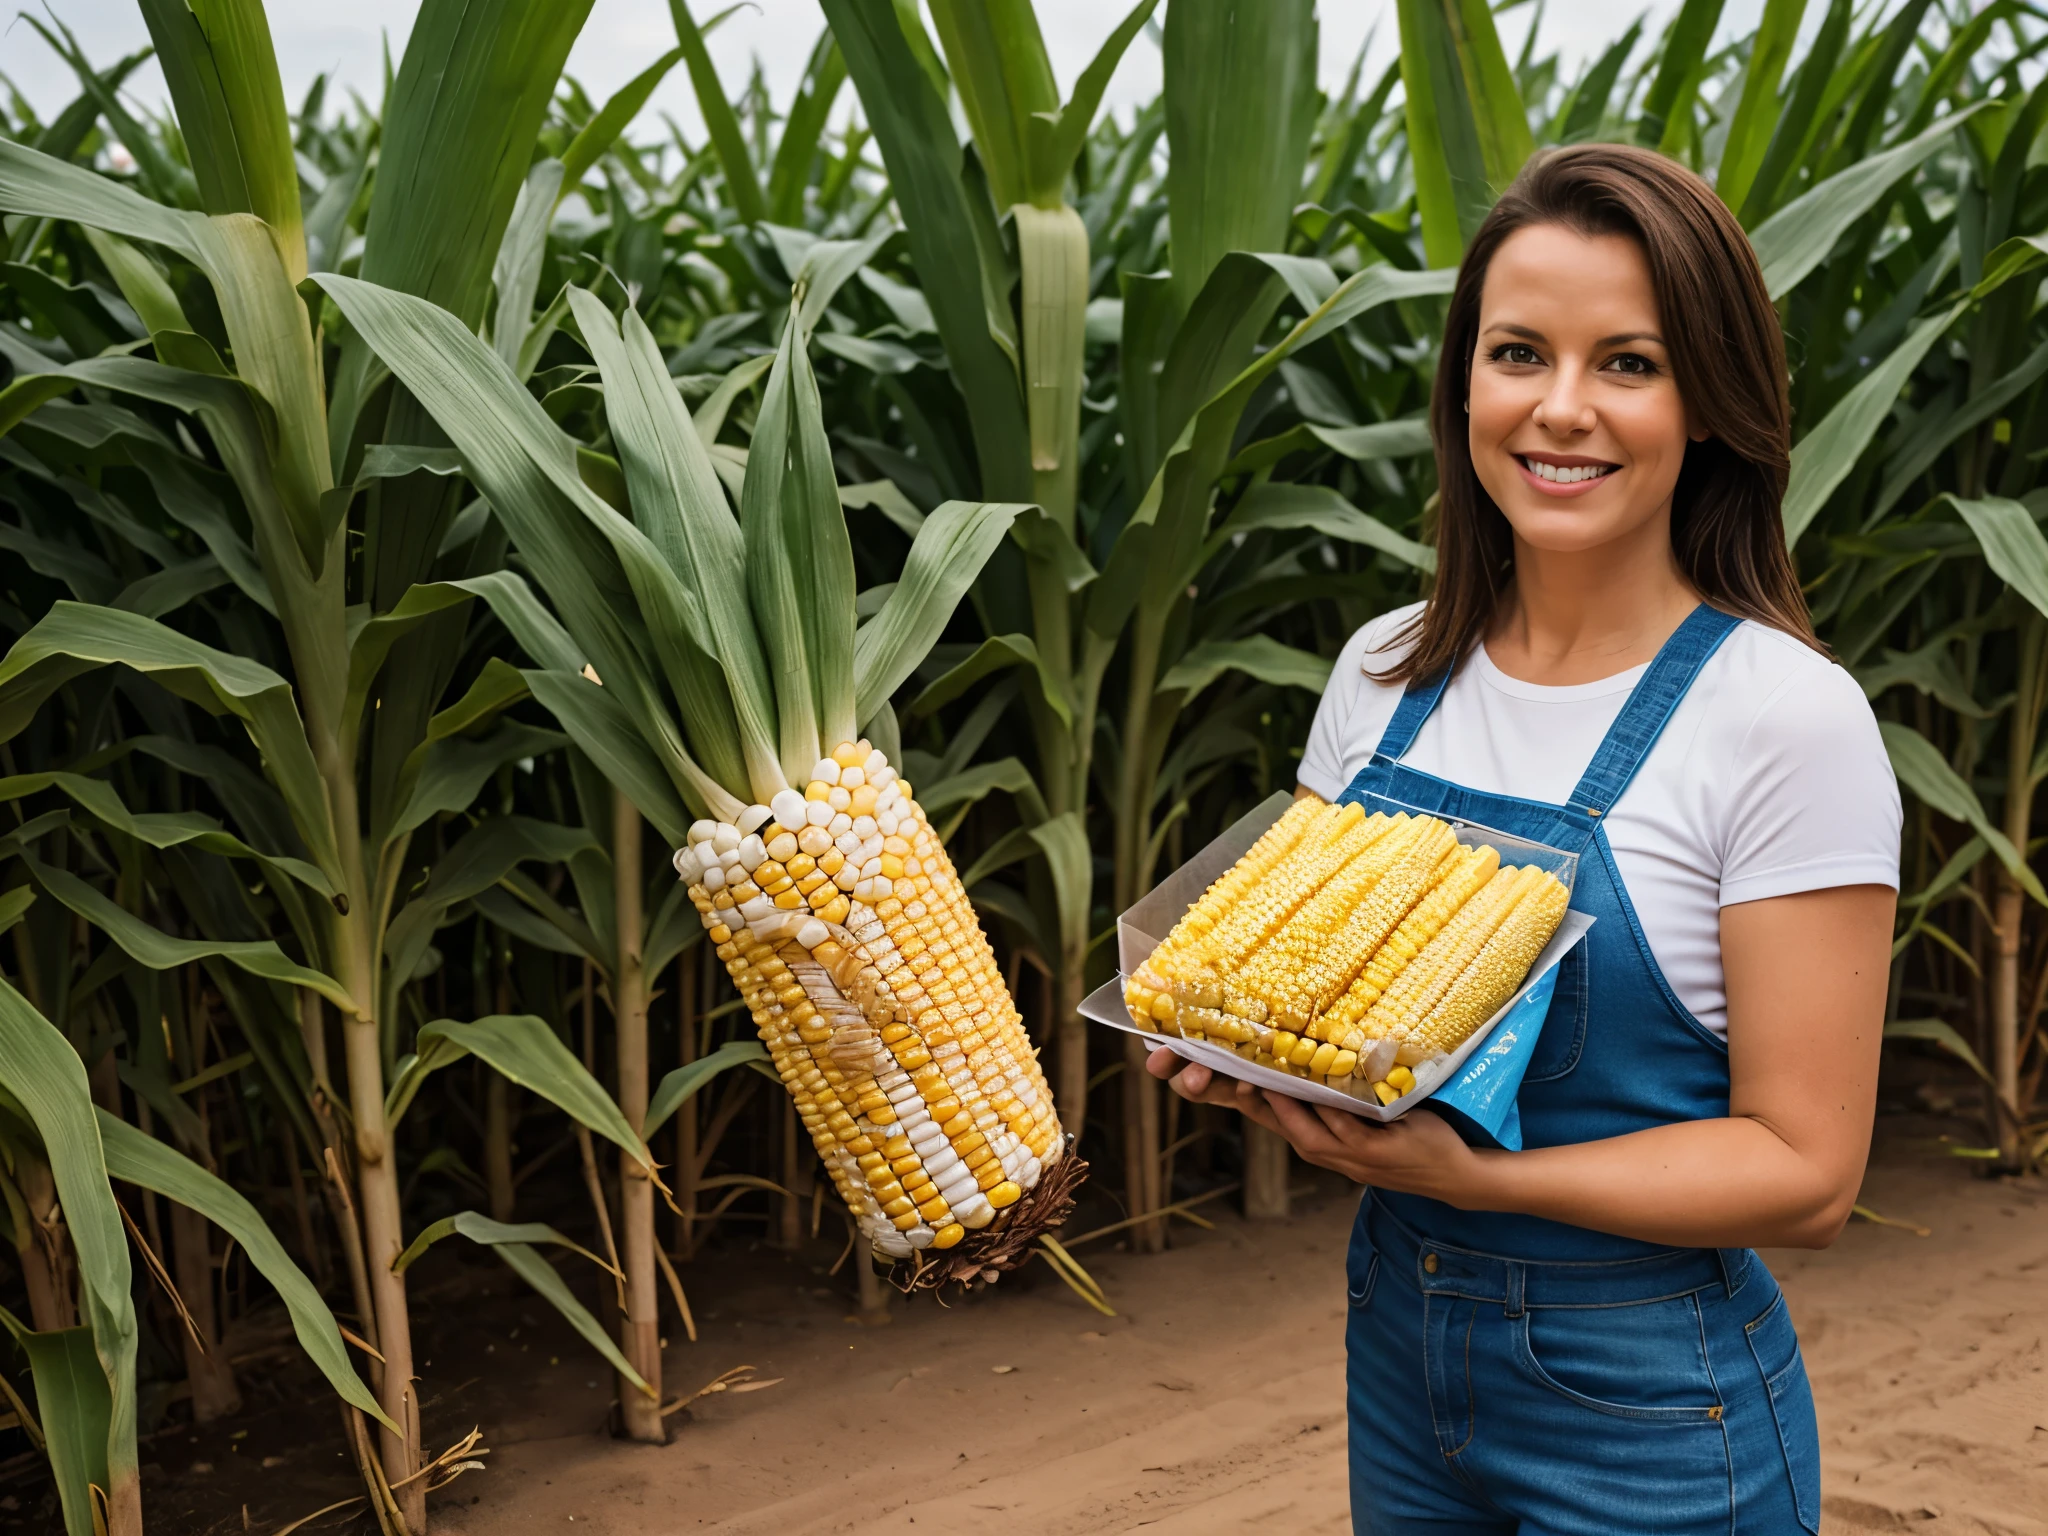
[{"x": 1512, "y": 1374}]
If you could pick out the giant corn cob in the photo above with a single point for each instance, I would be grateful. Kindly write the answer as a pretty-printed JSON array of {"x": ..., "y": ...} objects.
[
  {"x": 1356, "y": 950},
  {"x": 839, "y": 917}
]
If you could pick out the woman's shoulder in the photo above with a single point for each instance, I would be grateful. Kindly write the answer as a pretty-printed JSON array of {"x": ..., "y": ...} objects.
[
  {"x": 1787, "y": 714},
  {"x": 1777, "y": 683}
]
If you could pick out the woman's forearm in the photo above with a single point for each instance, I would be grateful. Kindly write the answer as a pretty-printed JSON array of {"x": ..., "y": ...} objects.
[{"x": 1732, "y": 1183}]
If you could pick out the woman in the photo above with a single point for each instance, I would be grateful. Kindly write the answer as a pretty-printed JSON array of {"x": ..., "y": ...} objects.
[{"x": 1617, "y": 658}]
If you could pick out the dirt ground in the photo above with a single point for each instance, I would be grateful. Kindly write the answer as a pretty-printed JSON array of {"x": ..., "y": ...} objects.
[{"x": 1212, "y": 1402}]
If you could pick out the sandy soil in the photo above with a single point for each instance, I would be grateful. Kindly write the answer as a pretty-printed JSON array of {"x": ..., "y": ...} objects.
[{"x": 1211, "y": 1403}]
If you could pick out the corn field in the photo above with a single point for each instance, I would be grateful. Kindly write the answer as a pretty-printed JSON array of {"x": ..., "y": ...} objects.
[{"x": 347, "y": 673}]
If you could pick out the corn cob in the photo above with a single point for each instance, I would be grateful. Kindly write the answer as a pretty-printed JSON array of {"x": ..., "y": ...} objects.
[
  {"x": 1310, "y": 962},
  {"x": 845, "y": 928},
  {"x": 1145, "y": 993},
  {"x": 1490, "y": 978},
  {"x": 1472, "y": 869},
  {"x": 1330, "y": 843}
]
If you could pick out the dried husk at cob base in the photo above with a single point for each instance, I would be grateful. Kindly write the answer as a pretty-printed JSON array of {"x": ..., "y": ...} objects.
[{"x": 1356, "y": 949}]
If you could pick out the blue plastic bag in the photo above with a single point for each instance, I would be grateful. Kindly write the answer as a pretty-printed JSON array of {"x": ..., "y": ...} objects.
[{"x": 1480, "y": 1100}]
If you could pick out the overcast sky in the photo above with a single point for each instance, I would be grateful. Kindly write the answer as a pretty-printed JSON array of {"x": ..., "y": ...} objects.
[{"x": 344, "y": 38}]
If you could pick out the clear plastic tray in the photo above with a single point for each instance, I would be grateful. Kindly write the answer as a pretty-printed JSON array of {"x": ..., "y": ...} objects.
[{"x": 1142, "y": 928}]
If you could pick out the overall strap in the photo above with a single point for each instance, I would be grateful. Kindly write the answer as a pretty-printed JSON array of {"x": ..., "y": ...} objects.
[
  {"x": 1648, "y": 710},
  {"x": 1418, "y": 699}
]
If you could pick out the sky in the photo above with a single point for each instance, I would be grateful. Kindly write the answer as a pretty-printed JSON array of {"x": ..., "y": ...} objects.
[{"x": 344, "y": 38}]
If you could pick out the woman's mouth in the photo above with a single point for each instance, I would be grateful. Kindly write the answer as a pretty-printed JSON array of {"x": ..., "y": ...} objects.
[{"x": 1563, "y": 479}]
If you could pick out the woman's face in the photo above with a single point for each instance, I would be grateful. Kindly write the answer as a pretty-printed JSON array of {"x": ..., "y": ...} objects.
[{"x": 1577, "y": 430}]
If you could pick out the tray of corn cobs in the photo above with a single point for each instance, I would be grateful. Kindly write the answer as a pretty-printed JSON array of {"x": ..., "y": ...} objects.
[{"x": 1352, "y": 954}]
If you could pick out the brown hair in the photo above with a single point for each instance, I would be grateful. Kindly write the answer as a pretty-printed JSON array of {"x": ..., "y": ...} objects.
[{"x": 1727, "y": 355}]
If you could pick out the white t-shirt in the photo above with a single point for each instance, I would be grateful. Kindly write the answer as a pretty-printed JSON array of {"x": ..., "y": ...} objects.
[{"x": 1770, "y": 778}]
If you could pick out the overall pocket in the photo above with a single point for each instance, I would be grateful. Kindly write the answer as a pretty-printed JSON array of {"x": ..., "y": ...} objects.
[
  {"x": 1564, "y": 1026},
  {"x": 1642, "y": 1361},
  {"x": 1775, "y": 1344}
]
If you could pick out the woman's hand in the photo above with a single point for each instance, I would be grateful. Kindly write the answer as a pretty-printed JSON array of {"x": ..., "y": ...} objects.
[{"x": 1419, "y": 1154}]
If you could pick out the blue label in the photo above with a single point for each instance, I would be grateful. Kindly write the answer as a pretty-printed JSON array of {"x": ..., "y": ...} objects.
[{"x": 1482, "y": 1095}]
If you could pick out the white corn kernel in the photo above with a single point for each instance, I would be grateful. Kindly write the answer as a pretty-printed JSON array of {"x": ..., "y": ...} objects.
[
  {"x": 827, "y": 771},
  {"x": 838, "y": 799},
  {"x": 725, "y": 839},
  {"x": 702, "y": 831},
  {"x": 817, "y": 812},
  {"x": 852, "y": 778},
  {"x": 788, "y": 806},
  {"x": 751, "y": 818},
  {"x": 814, "y": 841}
]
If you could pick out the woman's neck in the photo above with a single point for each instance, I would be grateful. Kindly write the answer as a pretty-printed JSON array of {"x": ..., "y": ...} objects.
[{"x": 1580, "y": 615}]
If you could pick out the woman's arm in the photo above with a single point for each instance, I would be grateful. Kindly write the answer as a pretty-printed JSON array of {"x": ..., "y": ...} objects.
[{"x": 1806, "y": 977}]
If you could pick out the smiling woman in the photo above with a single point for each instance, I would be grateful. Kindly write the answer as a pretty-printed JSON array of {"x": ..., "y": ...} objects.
[{"x": 1616, "y": 659}]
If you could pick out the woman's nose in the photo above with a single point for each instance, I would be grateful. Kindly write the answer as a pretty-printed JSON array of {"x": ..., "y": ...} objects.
[{"x": 1565, "y": 408}]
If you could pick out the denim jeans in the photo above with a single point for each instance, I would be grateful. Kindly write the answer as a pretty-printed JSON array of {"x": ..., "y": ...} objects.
[{"x": 1661, "y": 1395}]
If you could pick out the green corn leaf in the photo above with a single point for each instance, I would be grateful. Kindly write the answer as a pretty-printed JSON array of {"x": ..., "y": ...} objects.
[
  {"x": 515, "y": 273},
  {"x": 1756, "y": 113},
  {"x": 922, "y": 155},
  {"x": 606, "y": 732},
  {"x": 1453, "y": 138},
  {"x": 680, "y": 1086},
  {"x": 996, "y": 654},
  {"x": 1800, "y": 121},
  {"x": 484, "y": 856},
  {"x": 945, "y": 558},
  {"x": 160, "y": 829},
  {"x": 94, "y": 1434},
  {"x": 1823, "y": 458},
  {"x": 72, "y": 639},
  {"x": 26, "y": 395},
  {"x": 1797, "y": 238},
  {"x": 1063, "y": 842},
  {"x": 2012, "y": 542},
  {"x": 996, "y": 56},
  {"x": 1588, "y": 106},
  {"x": 677, "y": 502},
  {"x": 599, "y": 134},
  {"x": 524, "y": 1049},
  {"x": 803, "y": 129},
  {"x": 161, "y": 952},
  {"x": 1159, "y": 563},
  {"x": 1241, "y": 106},
  {"x": 1052, "y": 248},
  {"x": 482, "y": 1230},
  {"x": 1320, "y": 507},
  {"x": 1056, "y": 144},
  {"x": 1935, "y": 431},
  {"x": 457, "y": 138},
  {"x": 513, "y": 1244},
  {"x": 77, "y": 1409},
  {"x": 1669, "y": 103},
  {"x": 741, "y": 186},
  {"x": 972, "y": 785},
  {"x": 799, "y": 564},
  {"x": 1938, "y": 1032},
  {"x": 454, "y": 771},
  {"x": 222, "y": 73},
  {"x": 1258, "y": 656},
  {"x": 144, "y": 1161},
  {"x": 1923, "y": 770},
  {"x": 537, "y": 1272},
  {"x": 616, "y": 595}
]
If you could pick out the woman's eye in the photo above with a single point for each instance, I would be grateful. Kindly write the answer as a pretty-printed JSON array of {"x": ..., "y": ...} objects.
[
  {"x": 1632, "y": 363},
  {"x": 1515, "y": 352}
]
